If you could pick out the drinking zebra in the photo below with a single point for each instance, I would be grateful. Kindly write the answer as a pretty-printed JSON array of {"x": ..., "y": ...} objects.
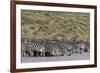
[
  {"x": 32, "y": 47},
  {"x": 54, "y": 48},
  {"x": 82, "y": 46},
  {"x": 51, "y": 47},
  {"x": 26, "y": 49},
  {"x": 67, "y": 47}
]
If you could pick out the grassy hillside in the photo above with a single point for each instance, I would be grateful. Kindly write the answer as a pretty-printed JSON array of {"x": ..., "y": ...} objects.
[{"x": 49, "y": 24}]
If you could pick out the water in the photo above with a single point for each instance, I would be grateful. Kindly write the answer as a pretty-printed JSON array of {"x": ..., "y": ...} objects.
[{"x": 83, "y": 56}]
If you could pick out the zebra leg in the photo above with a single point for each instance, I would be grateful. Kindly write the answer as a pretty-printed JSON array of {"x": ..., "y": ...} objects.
[
  {"x": 43, "y": 54},
  {"x": 40, "y": 53},
  {"x": 80, "y": 50},
  {"x": 85, "y": 50},
  {"x": 47, "y": 53},
  {"x": 35, "y": 53},
  {"x": 68, "y": 52},
  {"x": 26, "y": 54}
]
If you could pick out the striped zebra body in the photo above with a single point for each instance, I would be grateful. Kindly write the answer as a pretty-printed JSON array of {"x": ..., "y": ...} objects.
[
  {"x": 82, "y": 46},
  {"x": 67, "y": 47},
  {"x": 25, "y": 48},
  {"x": 37, "y": 47},
  {"x": 53, "y": 48}
]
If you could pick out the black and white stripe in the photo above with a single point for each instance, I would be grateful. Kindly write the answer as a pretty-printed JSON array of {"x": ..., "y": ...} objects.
[{"x": 52, "y": 47}]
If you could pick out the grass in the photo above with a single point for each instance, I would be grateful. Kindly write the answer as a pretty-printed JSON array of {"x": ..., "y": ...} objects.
[{"x": 53, "y": 24}]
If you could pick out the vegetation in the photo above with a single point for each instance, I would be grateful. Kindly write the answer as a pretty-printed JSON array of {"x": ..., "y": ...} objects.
[{"x": 53, "y": 24}]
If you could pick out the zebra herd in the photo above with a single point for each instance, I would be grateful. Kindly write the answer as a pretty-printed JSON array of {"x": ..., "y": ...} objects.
[{"x": 52, "y": 47}]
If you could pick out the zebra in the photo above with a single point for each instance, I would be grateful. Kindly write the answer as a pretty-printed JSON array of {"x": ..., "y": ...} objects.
[
  {"x": 43, "y": 47},
  {"x": 67, "y": 47},
  {"x": 53, "y": 48},
  {"x": 26, "y": 51},
  {"x": 82, "y": 46},
  {"x": 48, "y": 48},
  {"x": 31, "y": 47},
  {"x": 87, "y": 48},
  {"x": 60, "y": 47},
  {"x": 37, "y": 47}
]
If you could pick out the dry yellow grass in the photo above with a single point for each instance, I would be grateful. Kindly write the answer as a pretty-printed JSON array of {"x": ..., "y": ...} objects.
[{"x": 48, "y": 24}]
